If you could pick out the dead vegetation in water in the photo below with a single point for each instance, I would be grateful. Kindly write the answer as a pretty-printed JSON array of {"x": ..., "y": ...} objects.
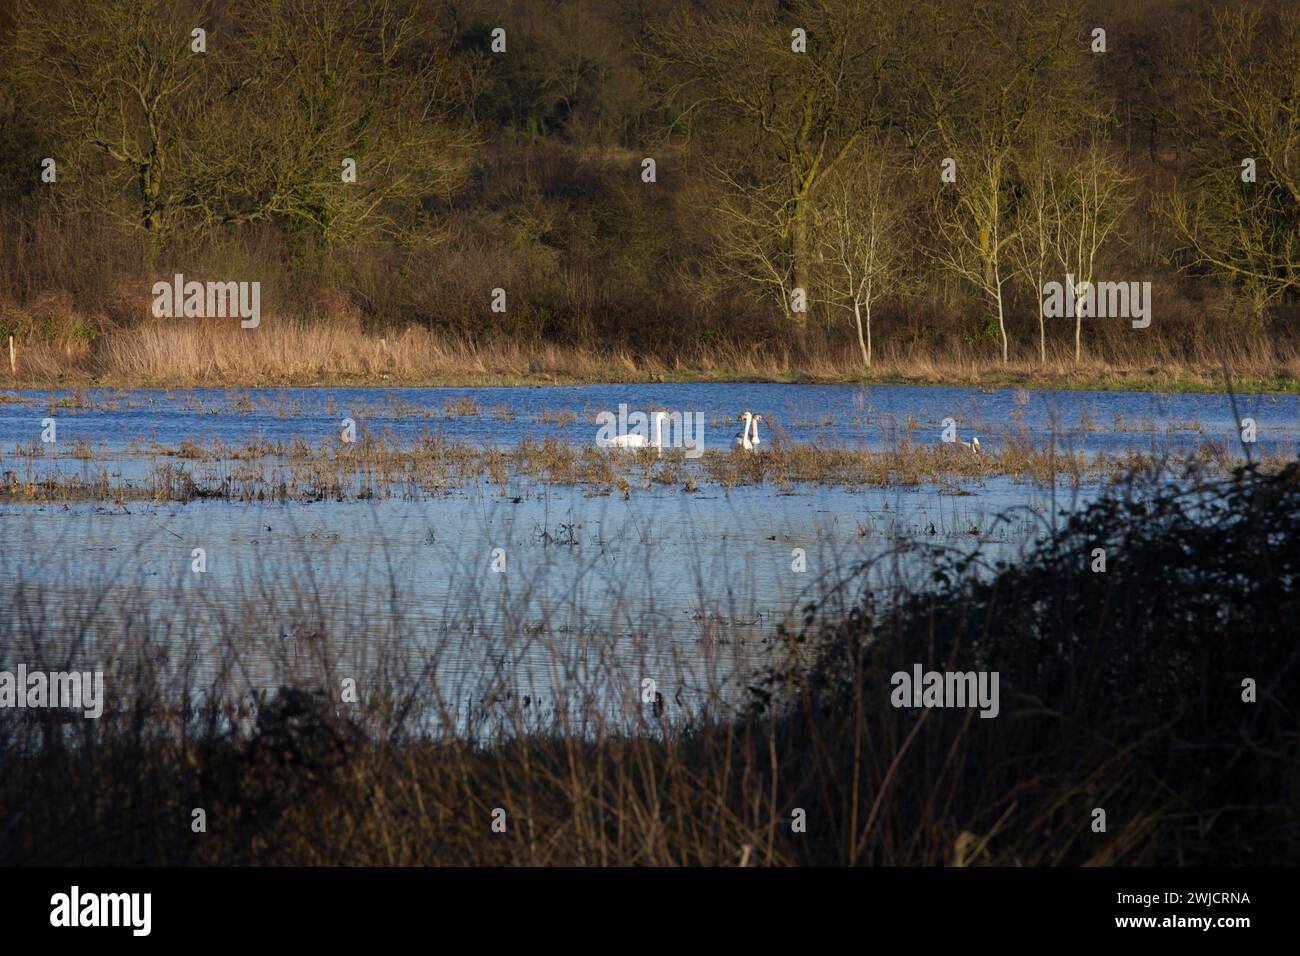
[{"x": 382, "y": 466}]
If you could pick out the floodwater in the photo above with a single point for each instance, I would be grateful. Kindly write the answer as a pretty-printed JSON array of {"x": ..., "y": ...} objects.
[
  {"x": 829, "y": 415},
  {"x": 532, "y": 586}
]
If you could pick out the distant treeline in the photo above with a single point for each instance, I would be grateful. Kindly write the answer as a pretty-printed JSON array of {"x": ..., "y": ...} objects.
[{"x": 898, "y": 178}]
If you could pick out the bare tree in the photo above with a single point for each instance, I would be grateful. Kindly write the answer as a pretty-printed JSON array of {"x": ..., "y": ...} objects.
[
  {"x": 321, "y": 82},
  {"x": 120, "y": 84},
  {"x": 1037, "y": 234},
  {"x": 1089, "y": 200},
  {"x": 862, "y": 240},
  {"x": 991, "y": 81},
  {"x": 975, "y": 230},
  {"x": 1243, "y": 103},
  {"x": 781, "y": 93},
  {"x": 259, "y": 123}
]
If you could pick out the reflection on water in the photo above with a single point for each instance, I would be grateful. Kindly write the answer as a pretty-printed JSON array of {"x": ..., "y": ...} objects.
[
  {"x": 831, "y": 415},
  {"x": 685, "y": 588}
]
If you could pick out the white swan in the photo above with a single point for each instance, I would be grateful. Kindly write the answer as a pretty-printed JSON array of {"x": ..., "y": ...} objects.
[
  {"x": 742, "y": 439},
  {"x": 637, "y": 440},
  {"x": 754, "y": 439},
  {"x": 973, "y": 445},
  {"x": 659, "y": 430},
  {"x": 630, "y": 440}
]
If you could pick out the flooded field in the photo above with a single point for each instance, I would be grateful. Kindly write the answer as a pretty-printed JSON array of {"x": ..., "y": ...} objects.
[
  {"x": 829, "y": 415},
  {"x": 483, "y": 533}
]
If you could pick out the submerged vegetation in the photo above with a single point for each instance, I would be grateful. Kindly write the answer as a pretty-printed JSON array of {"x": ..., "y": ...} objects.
[
  {"x": 1162, "y": 690},
  {"x": 382, "y": 466}
]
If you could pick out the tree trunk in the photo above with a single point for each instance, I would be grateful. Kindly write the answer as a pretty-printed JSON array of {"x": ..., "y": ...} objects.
[
  {"x": 150, "y": 192},
  {"x": 1042, "y": 326},
  {"x": 1078, "y": 328},
  {"x": 863, "y": 344},
  {"x": 868, "y": 333},
  {"x": 993, "y": 286},
  {"x": 799, "y": 253},
  {"x": 151, "y": 209},
  {"x": 1002, "y": 322}
]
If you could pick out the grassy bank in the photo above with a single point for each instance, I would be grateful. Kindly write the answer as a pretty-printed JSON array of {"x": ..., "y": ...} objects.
[
  {"x": 298, "y": 353},
  {"x": 1161, "y": 692}
]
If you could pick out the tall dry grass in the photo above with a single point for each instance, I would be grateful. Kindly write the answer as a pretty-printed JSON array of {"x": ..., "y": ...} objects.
[
  {"x": 302, "y": 352},
  {"x": 1120, "y": 691}
]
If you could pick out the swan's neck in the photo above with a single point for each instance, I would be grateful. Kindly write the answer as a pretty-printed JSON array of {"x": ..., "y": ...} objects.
[{"x": 753, "y": 427}]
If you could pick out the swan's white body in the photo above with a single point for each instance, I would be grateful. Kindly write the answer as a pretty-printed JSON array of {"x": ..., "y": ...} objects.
[
  {"x": 973, "y": 445},
  {"x": 636, "y": 440},
  {"x": 753, "y": 427},
  {"x": 742, "y": 440}
]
